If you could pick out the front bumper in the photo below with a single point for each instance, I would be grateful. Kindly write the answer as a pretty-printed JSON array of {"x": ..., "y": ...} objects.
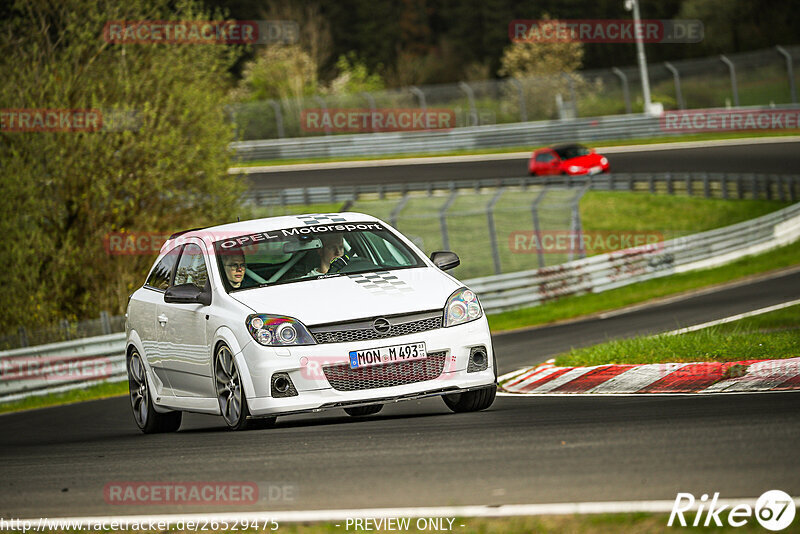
[{"x": 305, "y": 367}]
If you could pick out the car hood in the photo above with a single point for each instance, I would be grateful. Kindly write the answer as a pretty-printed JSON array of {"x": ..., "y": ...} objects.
[
  {"x": 588, "y": 160},
  {"x": 348, "y": 297}
]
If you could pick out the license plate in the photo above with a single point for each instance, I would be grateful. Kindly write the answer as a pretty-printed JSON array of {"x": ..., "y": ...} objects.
[
  {"x": 595, "y": 170},
  {"x": 382, "y": 355}
]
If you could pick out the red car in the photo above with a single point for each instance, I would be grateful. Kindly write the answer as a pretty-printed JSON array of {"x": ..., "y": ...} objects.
[{"x": 567, "y": 159}]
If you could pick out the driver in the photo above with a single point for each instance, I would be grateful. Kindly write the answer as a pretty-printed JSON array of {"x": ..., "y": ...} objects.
[
  {"x": 331, "y": 251},
  {"x": 234, "y": 266}
]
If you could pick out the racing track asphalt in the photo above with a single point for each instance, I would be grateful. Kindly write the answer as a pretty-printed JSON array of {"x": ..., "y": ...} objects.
[
  {"x": 777, "y": 158},
  {"x": 55, "y": 462}
]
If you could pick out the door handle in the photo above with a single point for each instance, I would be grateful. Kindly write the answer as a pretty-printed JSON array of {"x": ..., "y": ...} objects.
[{"x": 162, "y": 319}]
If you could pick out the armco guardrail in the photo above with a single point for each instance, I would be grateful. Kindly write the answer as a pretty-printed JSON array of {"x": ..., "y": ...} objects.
[
  {"x": 57, "y": 367},
  {"x": 608, "y": 271},
  {"x": 634, "y": 126},
  {"x": 498, "y": 293},
  {"x": 708, "y": 185}
]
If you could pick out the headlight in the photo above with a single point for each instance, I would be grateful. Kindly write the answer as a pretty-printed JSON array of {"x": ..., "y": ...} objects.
[
  {"x": 574, "y": 168},
  {"x": 462, "y": 307},
  {"x": 277, "y": 330},
  {"x": 603, "y": 161}
]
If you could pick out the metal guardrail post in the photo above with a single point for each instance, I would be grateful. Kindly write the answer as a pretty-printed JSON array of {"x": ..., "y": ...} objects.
[
  {"x": 420, "y": 96},
  {"x": 670, "y": 187},
  {"x": 523, "y": 112},
  {"x": 689, "y": 189},
  {"x": 734, "y": 86},
  {"x": 397, "y": 209},
  {"x": 706, "y": 186},
  {"x": 789, "y": 71},
  {"x": 677, "y": 78},
  {"x": 536, "y": 228},
  {"x": 443, "y": 218},
  {"x": 781, "y": 194},
  {"x": 754, "y": 187},
  {"x": 651, "y": 184},
  {"x": 492, "y": 231},
  {"x": 724, "y": 186},
  {"x": 473, "y": 112},
  {"x": 278, "y": 118},
  {"x": 768, "y": 186},
  {"x": 626, "y": 93},
  {"x": 739, "y": 187}
]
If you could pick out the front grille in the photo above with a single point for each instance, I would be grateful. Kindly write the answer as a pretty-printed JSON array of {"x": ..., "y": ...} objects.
[
  {"x": 342, "y": 378},
  {"x": 363, "y": 331}
]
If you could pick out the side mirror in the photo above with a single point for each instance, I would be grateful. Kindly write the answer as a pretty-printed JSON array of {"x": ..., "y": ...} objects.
[
  {"x": 445, "y": 260},
  {"x": 188, "y": 294}
]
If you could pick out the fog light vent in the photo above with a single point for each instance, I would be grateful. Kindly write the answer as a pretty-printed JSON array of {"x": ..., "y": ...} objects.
[
  {"x": 282, "y": 386},
  {"x": 478, "y": 359}
]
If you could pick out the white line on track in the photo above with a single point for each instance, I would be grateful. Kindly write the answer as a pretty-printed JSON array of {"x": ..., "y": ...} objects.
[
  {"x": 614, "y": 507},
  {"x": 732, "y": 318}
]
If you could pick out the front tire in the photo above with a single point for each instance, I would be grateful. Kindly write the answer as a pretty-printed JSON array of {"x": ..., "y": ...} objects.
[
  {"x": 471, "y": 401},
  {"x": 360, "y": 411},
  {"x": 230, "y": 394},
  {"x": 147, "y": 418}
]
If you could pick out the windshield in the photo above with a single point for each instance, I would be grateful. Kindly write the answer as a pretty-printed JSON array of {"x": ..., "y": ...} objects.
[
  {"x": 572, "y": 151},
  {"x": 309, "y": 253}
]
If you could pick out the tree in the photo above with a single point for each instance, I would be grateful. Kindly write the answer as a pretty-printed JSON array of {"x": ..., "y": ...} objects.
[
  {"x": 163, "y": 169},
  {"x": 545, "y": 70}
]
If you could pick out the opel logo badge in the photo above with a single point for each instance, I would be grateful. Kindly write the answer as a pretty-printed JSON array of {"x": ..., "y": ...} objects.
[{"x": 381, "y": 325}]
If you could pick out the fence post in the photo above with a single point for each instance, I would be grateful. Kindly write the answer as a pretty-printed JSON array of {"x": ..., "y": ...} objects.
[
  {"x": 724, "y": 186},
  {"x": 689, "y": 190},
  {"x": 706, "y": 186},
  {"x": 397, "y": 209},
  {"x": 65, "y": 327},
  {"x": 739, "y": 187},
  {"x": 677, "y": 77},
  {"x": 464, "y": 86},
  {"x": 371, "y": 100},
  {"x": 523, "y": 112},
  {"x": 768, "y": 183},
  {"x": 23, "y": 337},
  {"x": 443, "y": 218},
  {"x": 779, "y": 182},
  {"x": 754, "y": 187},
  {"x": 492, "y": 233},
  {"x": 577, "y": 225},
  {"x": 651, "y": 184},
  {"x": 105, "y": 322},
  {"x": 278, "y": 118},
  {"x": 537, "y": 231},
  {"x": 626, "y": 94},
  {"x": 734, "y": 86},
  {"x": 789, "y": 71},
  {"x": 324, "y": 108},
  {"x": 421, "y": 97}
]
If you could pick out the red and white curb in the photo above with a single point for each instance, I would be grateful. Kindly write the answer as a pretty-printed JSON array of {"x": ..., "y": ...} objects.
[{"x": 698, "y": 377}]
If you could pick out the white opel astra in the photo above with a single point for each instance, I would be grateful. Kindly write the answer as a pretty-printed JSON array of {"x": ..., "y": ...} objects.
[{"x": 294, "y": 314}]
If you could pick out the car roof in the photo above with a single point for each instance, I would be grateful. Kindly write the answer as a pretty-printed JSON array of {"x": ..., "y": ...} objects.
[
  {"x": 210, "y": 234},
  {"x": 567, "y": 145}
]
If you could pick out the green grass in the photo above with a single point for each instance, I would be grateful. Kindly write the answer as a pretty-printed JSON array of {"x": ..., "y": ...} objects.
[
  {"x": 770, "y": 336},
  {"x": 99, "y": 391},
  {"x": 576, "y": 306},
  {"x": 505, "y": 150}
]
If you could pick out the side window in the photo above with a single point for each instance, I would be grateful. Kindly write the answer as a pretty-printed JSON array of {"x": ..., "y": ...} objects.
[
  {"x": 160, "y": 277},
  {"x": 544, "y": 157},
  {"x": 192, "y": 267}
]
